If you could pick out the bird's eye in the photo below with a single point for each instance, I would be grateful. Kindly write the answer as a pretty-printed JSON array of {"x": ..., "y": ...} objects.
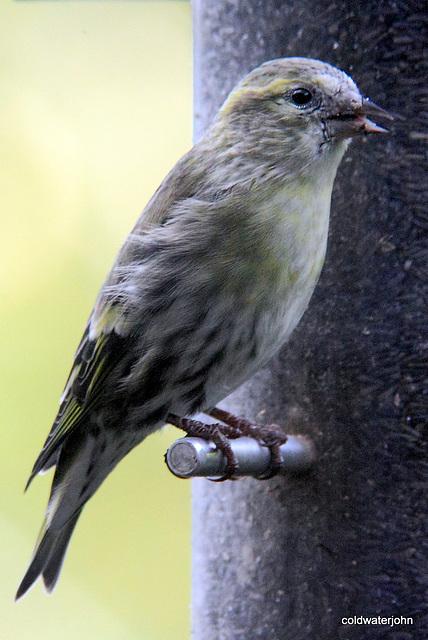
[{"x": 301, "y": 97}]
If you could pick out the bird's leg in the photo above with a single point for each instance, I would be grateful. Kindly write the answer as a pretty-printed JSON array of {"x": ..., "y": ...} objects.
[
  {"x": 220, "y": 434},
  {"x": 271, "y": 436}
]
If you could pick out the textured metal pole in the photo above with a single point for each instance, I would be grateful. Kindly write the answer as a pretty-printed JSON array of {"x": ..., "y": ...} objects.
[{"x": 296, "y": 558}]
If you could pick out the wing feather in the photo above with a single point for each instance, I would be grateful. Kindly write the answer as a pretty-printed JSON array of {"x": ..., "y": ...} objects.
[{"x": 94, "y": 360}]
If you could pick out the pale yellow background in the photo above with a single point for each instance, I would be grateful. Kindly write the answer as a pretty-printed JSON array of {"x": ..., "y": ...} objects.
[{"x": 95, "y": 104}]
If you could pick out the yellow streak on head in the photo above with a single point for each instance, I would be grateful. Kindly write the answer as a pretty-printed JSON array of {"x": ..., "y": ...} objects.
[{"x": 249, "y": 90}]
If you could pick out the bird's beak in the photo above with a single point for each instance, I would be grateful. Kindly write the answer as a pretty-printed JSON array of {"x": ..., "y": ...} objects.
[
  {"x": 363, "y": 124},
  {"x": 353, "y": 121}
]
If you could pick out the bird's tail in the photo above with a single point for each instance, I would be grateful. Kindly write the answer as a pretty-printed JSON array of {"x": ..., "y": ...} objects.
[
  {"x": 48, "y": 556},
  {"x": 83, "y": 463}
]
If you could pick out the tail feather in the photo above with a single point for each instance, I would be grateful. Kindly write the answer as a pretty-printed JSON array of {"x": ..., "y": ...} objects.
[
  {"x": 53, "y": 568},
  {"x": 64, "y": 508},
  {"x": 84, "y": 460},
  {"x": 48, "y": 557}
]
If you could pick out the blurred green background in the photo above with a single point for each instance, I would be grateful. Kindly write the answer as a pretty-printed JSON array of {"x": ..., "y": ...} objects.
[{"x": 95, "y": 110}]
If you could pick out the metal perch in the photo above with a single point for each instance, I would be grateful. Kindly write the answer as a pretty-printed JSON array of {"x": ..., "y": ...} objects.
[{"x": 191, "y": 457}]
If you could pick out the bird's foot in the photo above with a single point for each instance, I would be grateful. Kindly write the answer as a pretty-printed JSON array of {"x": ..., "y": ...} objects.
[
  {"x": 270, "y": 436},
  {"x": 220, "y": 434}
]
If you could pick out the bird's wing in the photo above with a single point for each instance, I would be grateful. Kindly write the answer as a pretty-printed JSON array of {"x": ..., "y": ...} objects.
[
  {"x": 94, "y": 360},
  {"x": 107, "y": 334}
]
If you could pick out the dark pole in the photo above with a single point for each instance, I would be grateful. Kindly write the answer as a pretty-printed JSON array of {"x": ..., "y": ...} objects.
[{"x": 289, "y": 558}]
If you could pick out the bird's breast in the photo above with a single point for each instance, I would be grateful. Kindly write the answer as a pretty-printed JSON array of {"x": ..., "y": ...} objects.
[
  {"x": 287, "y": 253},
  {"x": 277, "y": 262}
]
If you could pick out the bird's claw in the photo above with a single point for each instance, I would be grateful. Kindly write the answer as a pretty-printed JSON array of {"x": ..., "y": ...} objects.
[{"x": 271, "y": 436}]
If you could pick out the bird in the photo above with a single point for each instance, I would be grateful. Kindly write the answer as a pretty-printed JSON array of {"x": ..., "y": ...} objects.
[{"x": 210, "y": 283}]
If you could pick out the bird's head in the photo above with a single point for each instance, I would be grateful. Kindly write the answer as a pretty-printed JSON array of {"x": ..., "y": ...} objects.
[{"x": 298, "y": 108}]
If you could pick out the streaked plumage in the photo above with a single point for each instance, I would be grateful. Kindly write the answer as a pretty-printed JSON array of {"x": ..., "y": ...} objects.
[{"x": 210, "y": 283}]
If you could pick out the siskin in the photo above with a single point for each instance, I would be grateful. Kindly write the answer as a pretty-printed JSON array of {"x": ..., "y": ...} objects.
[{"x": 210, "y": 283}]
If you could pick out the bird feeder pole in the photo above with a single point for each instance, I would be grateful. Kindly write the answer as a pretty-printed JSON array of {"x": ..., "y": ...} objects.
[{"x": 301, "y": 556}]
